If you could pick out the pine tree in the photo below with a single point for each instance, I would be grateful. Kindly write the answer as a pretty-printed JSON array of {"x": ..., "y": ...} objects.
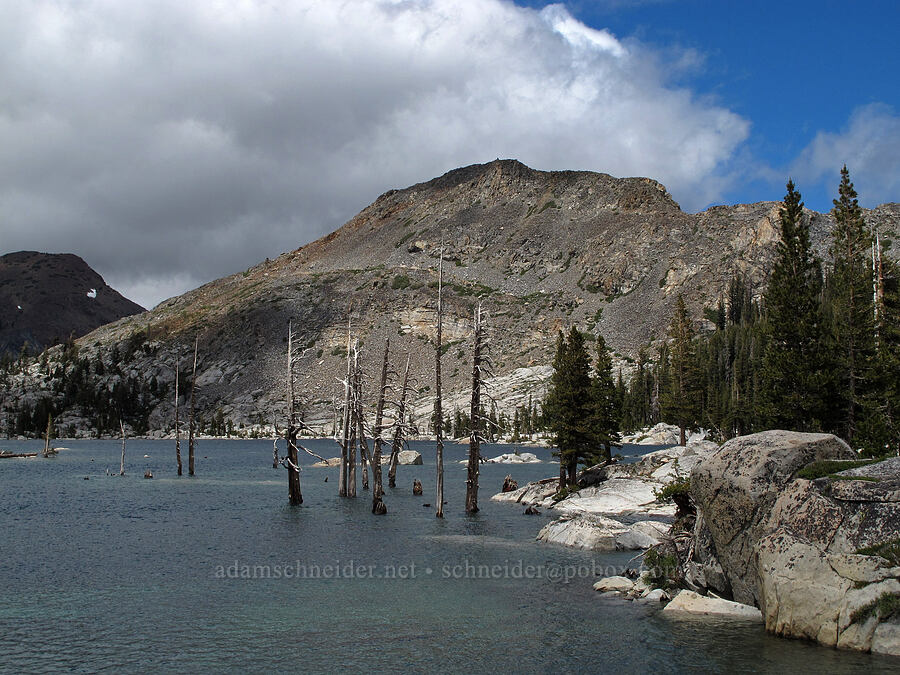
[
  {"x": 792, "y": 369},
  {"x": 681, "y": 397},
  {"x": 567, "y": 406},
  {"x": 604, "y": 408},
  {"x": 852, "y": 314}
]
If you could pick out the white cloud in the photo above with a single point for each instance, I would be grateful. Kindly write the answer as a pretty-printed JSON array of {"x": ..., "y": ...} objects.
[
  {"x": 870, "y": 147},
  {"x": 174, "y": 142}
]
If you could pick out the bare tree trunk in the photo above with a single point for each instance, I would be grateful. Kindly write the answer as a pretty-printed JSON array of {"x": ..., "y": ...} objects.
[
  {"x": 398, "y": 430},
  {"x": 351, "y": 450},
  {"x": 295, "y": 497},
  {"x": 563, "y": 474},
  {"x": 122, "y": 464},
  {"x": 191, "y": 423},
  {"x": 293, "y": 467},
  {"x": 360, "y": 427},
  {"x": 177, "y": 427},
  {"x": 378, "y": 507},
  {"x": 345, "y": 426},
  {"x": 47, "y": 436},
  {"x": 438, "y": 414},
  {"x": 475, "y": 417}
]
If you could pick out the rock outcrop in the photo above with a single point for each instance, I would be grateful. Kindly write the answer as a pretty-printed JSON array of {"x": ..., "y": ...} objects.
[
  {"x": 735, "y": 489},
  {"x": 818, "y": 556},
  {"x": 615, "y": 506},
  {"x": 541, "y": 250}
]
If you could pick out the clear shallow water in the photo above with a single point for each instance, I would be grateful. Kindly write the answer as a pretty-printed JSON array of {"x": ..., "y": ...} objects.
[{"x": 122, "y": 574}]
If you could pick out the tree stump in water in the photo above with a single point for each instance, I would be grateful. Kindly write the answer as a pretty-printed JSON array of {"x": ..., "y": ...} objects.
[
  {"x": 417, "y": 487},
  {"x": 509, "y": 484}
]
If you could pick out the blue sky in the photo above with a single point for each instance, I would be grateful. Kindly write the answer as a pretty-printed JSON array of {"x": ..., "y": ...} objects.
[
  {"x": 793, "y": 69},
  {"x": 137, "y": 133}
]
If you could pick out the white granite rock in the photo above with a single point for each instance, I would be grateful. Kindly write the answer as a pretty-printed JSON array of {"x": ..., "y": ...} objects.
[
  {"x": 616, "y": 584},
  {"x": 689, "y": 602}
]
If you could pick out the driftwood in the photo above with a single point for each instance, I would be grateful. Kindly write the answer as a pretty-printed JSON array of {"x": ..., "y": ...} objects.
[
  {"x": 438, "y": 414},
  {"x": 11, "y": 455}
]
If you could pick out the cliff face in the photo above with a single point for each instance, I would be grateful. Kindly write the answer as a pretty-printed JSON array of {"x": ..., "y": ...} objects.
[
  {"x": 46, "y": 298},
  {"x": 540, "y": 250}
]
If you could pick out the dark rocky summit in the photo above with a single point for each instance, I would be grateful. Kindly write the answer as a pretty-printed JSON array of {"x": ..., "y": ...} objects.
[{"x": 46, "y": 298}]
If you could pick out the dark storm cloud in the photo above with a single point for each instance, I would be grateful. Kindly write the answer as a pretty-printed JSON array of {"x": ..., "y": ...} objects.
[{"x": 170, "y": 143}]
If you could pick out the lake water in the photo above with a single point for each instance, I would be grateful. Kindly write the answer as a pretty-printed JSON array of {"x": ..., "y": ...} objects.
[{"x": 123, "y": 574}]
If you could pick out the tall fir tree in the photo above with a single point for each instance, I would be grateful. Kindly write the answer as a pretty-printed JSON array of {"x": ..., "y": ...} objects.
[
  {"x": 792, "y": 366},
  {"x": 852, "y": 315},
  {"x": 567, "y": 405},
  {"x": 681, "y": 395},
  {"x": 604, "y": 408}
]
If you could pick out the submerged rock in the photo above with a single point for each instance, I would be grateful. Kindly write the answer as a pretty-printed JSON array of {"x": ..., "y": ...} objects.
[
  {"x": 617, "y": 584},
  {"x": 688, "y": 602}
]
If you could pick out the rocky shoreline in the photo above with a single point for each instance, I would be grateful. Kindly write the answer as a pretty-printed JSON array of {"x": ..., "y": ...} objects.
[{"x": 785, "y": 528}]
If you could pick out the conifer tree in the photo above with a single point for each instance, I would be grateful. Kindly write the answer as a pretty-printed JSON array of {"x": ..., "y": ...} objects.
[
  {"x": 681, "y": 397},
  {"x": 792, "y": 368},
  {"x": 567, "y": 406},
  {"x": 604, "y": 408},
  {"x": 852, "y": 314}
]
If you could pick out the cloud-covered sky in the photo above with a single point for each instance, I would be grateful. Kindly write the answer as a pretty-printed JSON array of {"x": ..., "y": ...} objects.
[{"x": 170, "y": 143}]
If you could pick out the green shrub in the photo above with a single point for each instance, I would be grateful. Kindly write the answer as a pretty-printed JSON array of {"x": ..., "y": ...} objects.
[
  {"x": 889, "y": 550},
  {"x": 399, "y": 282},
  {"x": 827, "y": 467},
  {"x": 662, "y": 569},
  {"x": 885, "y": 606}
]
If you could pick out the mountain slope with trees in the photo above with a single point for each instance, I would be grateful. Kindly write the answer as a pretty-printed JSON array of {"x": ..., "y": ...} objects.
[{"x": 542, "y": 252}]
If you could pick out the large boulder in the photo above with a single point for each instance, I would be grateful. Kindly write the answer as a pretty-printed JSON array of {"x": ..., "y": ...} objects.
[
  {"x": 735, "y": 488},
  {"x": 815, "y": 577}
]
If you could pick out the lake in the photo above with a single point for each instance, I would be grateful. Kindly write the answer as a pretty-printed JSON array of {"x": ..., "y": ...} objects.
[{"x": 218, "y": 573}]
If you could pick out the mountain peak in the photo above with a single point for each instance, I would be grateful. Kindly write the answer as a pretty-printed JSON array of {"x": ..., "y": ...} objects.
[{"x": 45, "y": 297}]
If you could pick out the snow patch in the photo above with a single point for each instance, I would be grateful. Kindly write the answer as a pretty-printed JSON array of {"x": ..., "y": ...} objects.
[{"x": 92, "y": 293}]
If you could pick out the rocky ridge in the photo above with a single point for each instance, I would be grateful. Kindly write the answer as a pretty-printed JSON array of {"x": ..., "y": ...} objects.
[{"x": 540, "y": 250}]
